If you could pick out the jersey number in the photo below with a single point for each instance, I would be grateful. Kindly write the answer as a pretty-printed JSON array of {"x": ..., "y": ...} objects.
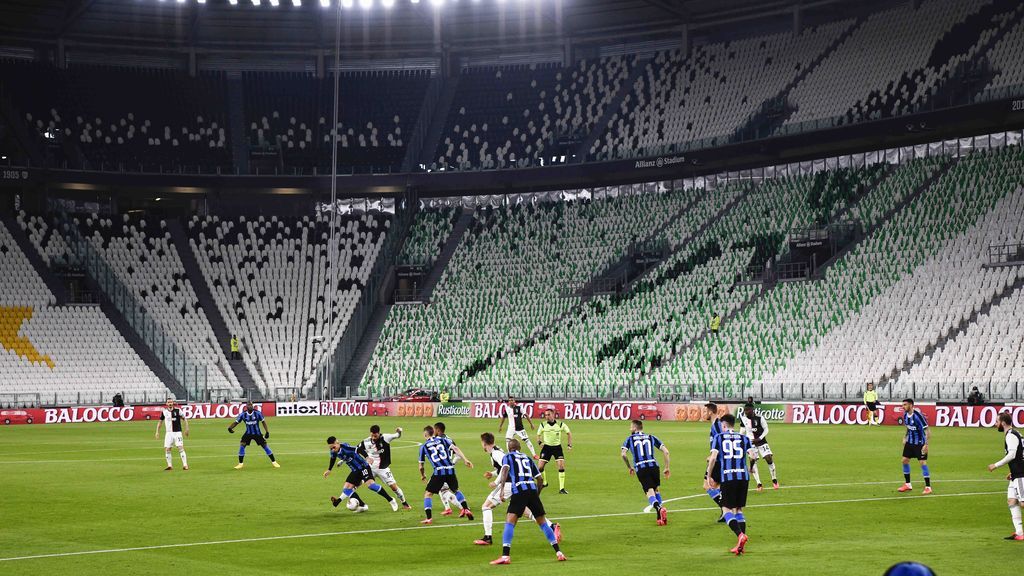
[
  {"x": 733, "y": 449},
  {"x": 643, "y": 447},
  {"x": 437, "y": 453}
]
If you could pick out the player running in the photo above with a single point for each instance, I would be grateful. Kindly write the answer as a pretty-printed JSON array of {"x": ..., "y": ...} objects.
[
  {"x": 513, "y": 412},
  {"x": 439, "y": 451},
  {"x": 521, "y": 474},
  {"x": 915, "y": 445},
  {"x": 174, "y": 422},
  {"x": 252, "y": 418},
  {"x": 1014, "y": 458},
  {"x": 755, "y": 426},
  {"x": 729, "y": 450},
  {"x": 360, "y": 473},
  {"x": 711, "y": 411},
  {"x": 376, "y": 449},
  {"x": 645, "y": 466},
  {"x": 549, "y": 436},
  {"x": 500, "y": 493}
]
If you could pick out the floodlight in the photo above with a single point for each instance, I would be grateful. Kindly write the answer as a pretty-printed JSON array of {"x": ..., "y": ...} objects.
[
  {"x": 275, "y": 2},
  {"x": 347, "y": 3},
  {"x": 325, "y": 3},
  {"x": 297, "y": 3},
  {"x": 366, "y": 4},
  {"x": 387, "y": 3}
]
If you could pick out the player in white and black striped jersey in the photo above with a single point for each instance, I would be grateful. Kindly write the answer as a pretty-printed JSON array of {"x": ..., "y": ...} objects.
[
  {"x": 376, "y": 448},
  {"x": 175, "y": 423},
  {"x": 1014, "y": 459},
  {"x": 755, "y": 426}
]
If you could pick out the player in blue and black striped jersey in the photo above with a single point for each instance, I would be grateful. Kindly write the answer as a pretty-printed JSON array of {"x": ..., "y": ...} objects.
[
  {"x": 441, "y": 452},
  {"x": 360, "y": 473},
  {"x": 521, "y": 473},
  {"x": 252, "y": 419},
  {"x": 729, "y": 450},
  {"x": 711, "y": 411},
  {"x": 641, "y": 446},
  {"x": 915, "y": 445}
]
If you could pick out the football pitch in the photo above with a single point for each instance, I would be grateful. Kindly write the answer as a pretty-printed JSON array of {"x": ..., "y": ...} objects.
[{"x": 94, "y": 499}]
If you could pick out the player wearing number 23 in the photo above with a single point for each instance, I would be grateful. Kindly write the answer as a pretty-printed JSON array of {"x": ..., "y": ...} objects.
[{"x": 440, "y": 452}]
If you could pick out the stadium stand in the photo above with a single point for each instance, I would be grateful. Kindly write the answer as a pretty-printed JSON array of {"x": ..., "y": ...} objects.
[
  {"x": 60, "y": 354},
  {"x": 290, "y": 116},
  {"x": 270, "y": 278},
  {"x": 135, "y": 119},
  {"x": 427, "y": 236}
]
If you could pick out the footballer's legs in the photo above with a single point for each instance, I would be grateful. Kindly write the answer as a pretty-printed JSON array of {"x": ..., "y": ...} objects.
[
  {"x": 465, "y": 512},
  {"x": 383, "y": 494},
  {"x": 487, "y": 511},
  {"x": 241, "y": 456},
  {"x": 561, "y": 476},
  {"x": 428, "y": 506},
  {"x": 447, "y": 499},
  {"x": 756, "y": 474},
  {"x": 654, "y": 500},
  {"x": 770, "y": 459},
  {"x": 1015, "y": 516},
  {"x": 541, "y": 465},
  {"x": 348, "y": 491},
  {"x": 167, "y": 457},
  {"x": 401, "y": 495},
  {"x": 548, "y": 528},
  {"x": 927, "y": 475},
  {"x": 738, "y": 524},
  {"x": 529, "y": 444},
  {"x": 907, "y": 486},
  {"x": 184, "y": 458},
  {"x": 270, "y": 454}
]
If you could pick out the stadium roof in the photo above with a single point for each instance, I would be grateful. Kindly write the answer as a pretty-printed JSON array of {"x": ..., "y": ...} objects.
[{"x": 410, "y": 26}]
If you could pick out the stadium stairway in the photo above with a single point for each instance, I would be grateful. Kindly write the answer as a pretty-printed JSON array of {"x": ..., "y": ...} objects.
[
  {"x": 364, "y": 351},
  {"x": 953, "y": 332},
  {"x": 137, "y": 344},
  {"x": 770, "y": 125},
  {"x": 420, "y": 132},
  {"x": 209, "y": 306},
  {"x": 49, "y": 277},
  {"x": 613, "y": 107},
  {"x": 450, "y": 245},
  {"x": 441, "y": 109}
]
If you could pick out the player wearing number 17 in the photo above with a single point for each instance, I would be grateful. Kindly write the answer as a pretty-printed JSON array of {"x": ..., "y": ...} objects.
[
  {"x": 439, "y": 451},
  {"x": 645, "y": 466},
  {"x": 730, "y": 450}
]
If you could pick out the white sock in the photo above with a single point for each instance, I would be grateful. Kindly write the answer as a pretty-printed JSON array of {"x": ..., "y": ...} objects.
[
  {"x": 489, "y": 521},
  {"x": 1015, "y": 515},
  {"x": 771, "y": 469},
  {"x": 447, "y": 495},
  {"x": 756, "y": 474},
  {"x": 529, "y": 444},
  {"x": 400, "y": 494},
  {"x": 184, "y": 459},
  {"x": 167, "y": 456}
]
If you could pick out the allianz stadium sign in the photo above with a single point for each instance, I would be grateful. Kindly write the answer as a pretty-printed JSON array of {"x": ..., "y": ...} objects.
[{"x": 660, "y": 162}]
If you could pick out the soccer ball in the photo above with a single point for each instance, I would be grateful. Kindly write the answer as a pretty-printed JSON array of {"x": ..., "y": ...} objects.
[{"x": 352, "y": 504}]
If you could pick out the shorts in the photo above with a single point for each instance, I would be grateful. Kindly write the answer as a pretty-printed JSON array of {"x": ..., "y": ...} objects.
[
  {"x": 914, "y": 451},
  {"x": 716, "y": 473},
  {"x": 763, "y": 450},
  {"x": 172, "y": 439},
  {"x": 359, "y": 477},
  {"x": 519, "y": 503},
  {"x": 734, "y": 493},
  {"x": 1015, "y": 490},
  {"x": 500, "y": 494},
  {"x": 438, "y": 482},
  {"x": 521, "y": 434},
  {"x": 384, "y": 475},
  {"x": 872, "y": 406},
  {"x": 549, "y": 453},
  {"x": 248, "y": 438},
  {"x": 650, "y": 478}
]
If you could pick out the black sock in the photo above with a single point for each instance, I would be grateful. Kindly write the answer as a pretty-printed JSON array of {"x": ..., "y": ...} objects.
[
  {"x": 906, "y": 477},
  {"x": 657, "y": 508},
  {"x": 240, "y": 458},
  {"x": 271, "y": 456},
  {"x": 464, "y": 505},
  {"x": 928, "y": 481},
  {"x": 743, "y": 527},
  {"x": 735, "y": 527},
  {"x": 555, "y": 546},
  {"x": 385, "y": 495},
  {"x": 358, "y": 499},
  {"x": 718, "y": 500},
  {"x": 506, "y": 550},
  {"x": 428, "y": 511}
]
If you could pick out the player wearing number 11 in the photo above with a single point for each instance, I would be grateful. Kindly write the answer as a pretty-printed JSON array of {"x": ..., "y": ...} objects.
[
  {"x": 730, "y": 450},
  {"x": 645, "y": 465}
]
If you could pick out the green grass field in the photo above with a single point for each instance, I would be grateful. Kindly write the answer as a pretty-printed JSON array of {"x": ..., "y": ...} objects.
[{"x": 96, "y": 498}]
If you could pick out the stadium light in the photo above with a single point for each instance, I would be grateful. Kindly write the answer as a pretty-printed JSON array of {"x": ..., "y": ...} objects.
[
  {"x": 366, "y": 4},
  {"x": 297, "y": 3},
  {"x": 275, "y": 3},
  {"x": 437, "y": 3},
  {"x": 387, "y": 3},
  {"x": 255, "y": 2},
  {"x": 347, "y": 3},
  {"x": 233, "y": 2},
  {"x": 325, "y": 3}
]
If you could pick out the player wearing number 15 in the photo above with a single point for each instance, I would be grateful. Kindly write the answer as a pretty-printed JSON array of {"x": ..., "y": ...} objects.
[
  {"x": 439, "y": 451},
  {"x": 641, "y": 446},
  {"x": 730, "y": 450}
]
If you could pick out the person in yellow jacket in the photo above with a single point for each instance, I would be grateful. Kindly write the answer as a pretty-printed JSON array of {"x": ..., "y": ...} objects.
[
  {"x": 551, "y": 434},
  {"x": 234, "y": 347},
  {"x": 871, "y": 403},
  {"x": 716, "y": 323}
]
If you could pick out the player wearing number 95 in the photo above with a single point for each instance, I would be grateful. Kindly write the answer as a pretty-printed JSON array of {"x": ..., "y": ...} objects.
[
  {"x": 439, "y": 451},
  {"x": 645, "y": 466},
  {"x": 729, "y": 450}
]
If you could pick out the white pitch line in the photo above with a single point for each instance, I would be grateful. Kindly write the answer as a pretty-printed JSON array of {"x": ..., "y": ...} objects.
[{"x": 412, "y": 528}]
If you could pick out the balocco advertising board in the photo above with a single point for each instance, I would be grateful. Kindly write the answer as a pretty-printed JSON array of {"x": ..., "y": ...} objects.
[{"x": 85, "y": 414}]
